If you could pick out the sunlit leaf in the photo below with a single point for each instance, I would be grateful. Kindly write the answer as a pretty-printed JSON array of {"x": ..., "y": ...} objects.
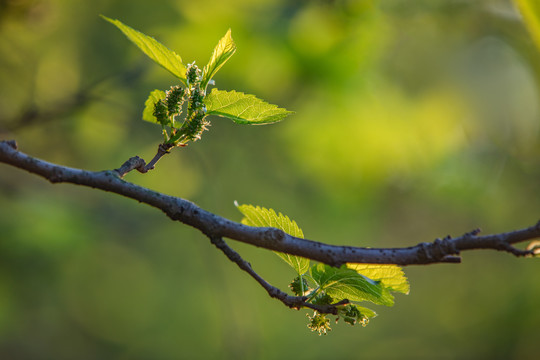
[
  {"x": 155, "y": 50},
  {"x": 344, "y": 283},
  {"x": 530, "y": 10},
  {"x": 391, "y": 276},
  {"x": 148, "y": 112},
  {"x": 222, "y": 52},
  {"x": 243, "y": 108},
  {"x": 259, "y": 216}
]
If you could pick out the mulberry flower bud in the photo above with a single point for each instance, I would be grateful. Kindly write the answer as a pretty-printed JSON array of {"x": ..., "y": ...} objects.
[
  {"x": 193, "y": 74},
  {"x": 352, "y": 315},
  {"x": 322, "y": 299},
  {"x": 297, "y": 287},
  {"x": 160, "y": 112},
  {"x": 319, "y": 322},
  {"x": 174, "y": 98}
]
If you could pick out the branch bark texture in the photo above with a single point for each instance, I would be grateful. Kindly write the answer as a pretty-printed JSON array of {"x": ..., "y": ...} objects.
[{"x": 216, "y": 227}]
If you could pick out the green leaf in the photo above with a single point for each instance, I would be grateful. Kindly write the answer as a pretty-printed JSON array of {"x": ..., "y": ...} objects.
[
  {"x": 243, "y": 108},
  {"x": 155, "y": 50},
  {"x": 391, "y": 276},
  {"x": 153, "y": 98},
  {"x": 259, "y": 216},
  {"x": 344, "y": 283},
  {"x": 530, "y": 10},
  {"x": 222, "y": 52}
]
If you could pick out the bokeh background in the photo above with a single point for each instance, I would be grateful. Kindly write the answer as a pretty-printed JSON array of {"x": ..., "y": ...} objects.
[{"x": 414, "y": 120}]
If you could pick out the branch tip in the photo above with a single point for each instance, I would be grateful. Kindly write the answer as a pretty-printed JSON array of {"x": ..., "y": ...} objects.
[
  {"x": 534, "y": 247},
  {"x": 515, "y": 251}
]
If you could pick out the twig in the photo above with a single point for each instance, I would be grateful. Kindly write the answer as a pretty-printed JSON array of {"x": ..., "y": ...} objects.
[
  {"x": 136, "y": 163},
  {"x": 214, "y": 226},
  {"x": 291, "y": 301},
  {"x": 294, "y": 302}
]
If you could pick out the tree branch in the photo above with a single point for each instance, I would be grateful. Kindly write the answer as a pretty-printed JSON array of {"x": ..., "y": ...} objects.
[{"x": 217, "y": 227}]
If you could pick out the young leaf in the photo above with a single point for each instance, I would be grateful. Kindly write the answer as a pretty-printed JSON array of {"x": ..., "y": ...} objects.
[
  {"x": 243, "y": 108},
  {"x": 343, "y": 283},
  {"x": 153, "y": 98},
  {"x": 222, "y": 52},
  {"x": 155, "y": 50},
  {"x": 391, "y": 276},
  {"x": 259, "y": 216}
]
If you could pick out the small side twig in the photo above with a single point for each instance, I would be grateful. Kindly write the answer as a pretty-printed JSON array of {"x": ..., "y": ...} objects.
[
  {"x": 137, "y": 163},
  {"x": 293, "y": 302},
  {"x": 290, "y": 301}
]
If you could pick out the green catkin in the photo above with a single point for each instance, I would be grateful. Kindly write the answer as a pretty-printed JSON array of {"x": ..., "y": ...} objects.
[
  {"x": 193, "y": 74},
  {"x": 299, "y": 287},
  {"x": 160, "y": 112},
  {"x": 195, "y": 122},
  {"x": 319, "y": 322},
  {"x": 174, "y": 98}
]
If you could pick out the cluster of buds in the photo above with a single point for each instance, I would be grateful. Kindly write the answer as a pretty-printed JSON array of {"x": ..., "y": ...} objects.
[
  {"x": 322, "y": 299},
  {"x": 299, "y": 287},
  {"x": 351, "y": 315},
  {"x": 195, "y": 122},
  {"x": 175, "y": 99},
  {"x": 319, "y": 322},
  {"x": 167, "y": 110}
]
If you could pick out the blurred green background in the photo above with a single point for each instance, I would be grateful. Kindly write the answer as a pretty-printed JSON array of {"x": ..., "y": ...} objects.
[{"x": 414, "y": 120}]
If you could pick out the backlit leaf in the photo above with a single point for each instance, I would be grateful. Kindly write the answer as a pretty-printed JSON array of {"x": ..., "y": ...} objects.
[
  {"x": 243, "y": 108},
  {"x": 262, "y": 217},
  {"x": 344, "y": 283},
  {"x": 155, "y": 50},
  {"x": 222, "y": 52},
  {"x": 530, "y": 10},
  {"x": 391, "y": 276}
]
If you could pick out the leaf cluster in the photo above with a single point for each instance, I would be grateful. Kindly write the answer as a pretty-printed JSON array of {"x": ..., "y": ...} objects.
[
  {"x": 182, "y": 110},
  {"x": 346, "y": 287}
]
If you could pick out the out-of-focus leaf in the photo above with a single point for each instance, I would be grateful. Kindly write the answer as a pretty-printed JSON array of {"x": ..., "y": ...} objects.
[
  {"x": 222, "y": 52},
  {"x": 259, "y": 216},
  {"x": 156, "y": 51},
  {"x": 530, "y": 10},
  {"x": 243, "y": 108},
  {"x": 391, "y": 276},
  {"x": 344, "y": 283}
]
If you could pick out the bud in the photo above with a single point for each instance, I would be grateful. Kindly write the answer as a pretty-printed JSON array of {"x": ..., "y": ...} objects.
[
  {"x": 160, "y": 112},
  {"x": 174, "y": 99}
]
